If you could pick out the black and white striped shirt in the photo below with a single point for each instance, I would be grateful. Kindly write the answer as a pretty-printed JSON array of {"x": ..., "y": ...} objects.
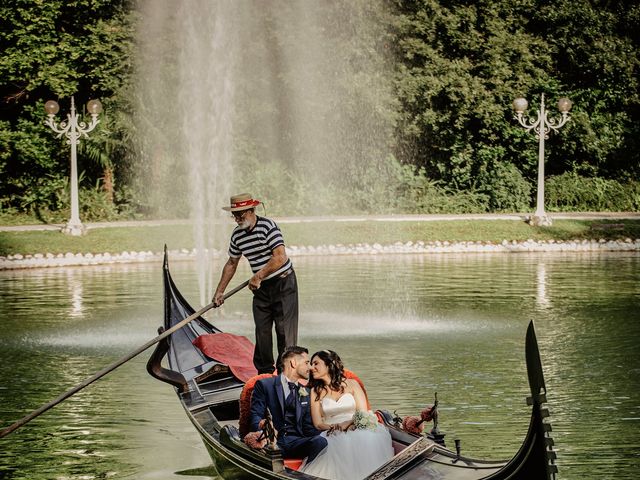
[{"x": 258, "y": 244}]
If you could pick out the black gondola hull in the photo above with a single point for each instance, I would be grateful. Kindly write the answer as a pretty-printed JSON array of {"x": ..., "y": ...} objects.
[{"x": 210, "y": 395}]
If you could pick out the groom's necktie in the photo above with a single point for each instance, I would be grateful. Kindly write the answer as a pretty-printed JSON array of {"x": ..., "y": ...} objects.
[
  {"x": 291, "y": 422},
  {"x": 293, "y": 387},
  {"x": 293, "y": 390}
]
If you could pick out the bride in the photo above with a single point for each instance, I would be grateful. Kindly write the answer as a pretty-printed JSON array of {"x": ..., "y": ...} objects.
[{"x": 354, "y": 450}]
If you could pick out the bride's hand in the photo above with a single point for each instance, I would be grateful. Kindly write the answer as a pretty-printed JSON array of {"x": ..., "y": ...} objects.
[
  {"x": 339, "y": 427},
  {"x": 344, "y": 426}
]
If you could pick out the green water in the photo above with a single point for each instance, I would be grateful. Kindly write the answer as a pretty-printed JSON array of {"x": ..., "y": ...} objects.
[{"x": 410, "y": 325}]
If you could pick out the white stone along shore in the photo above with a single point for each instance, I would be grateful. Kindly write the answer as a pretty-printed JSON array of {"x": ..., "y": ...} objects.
[{"x": 40, "y": 260}]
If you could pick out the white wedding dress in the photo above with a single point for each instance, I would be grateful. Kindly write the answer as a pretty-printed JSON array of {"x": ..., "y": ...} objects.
[{"x": 350, "y": 455}]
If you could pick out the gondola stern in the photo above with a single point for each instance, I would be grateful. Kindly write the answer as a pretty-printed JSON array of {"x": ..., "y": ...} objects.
[
  {"x": 536, "y": 458},
  {"x": 534, "y": 364},
  {"x": 540, "y": 415}
]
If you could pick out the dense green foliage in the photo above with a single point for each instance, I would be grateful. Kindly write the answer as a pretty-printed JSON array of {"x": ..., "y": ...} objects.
[
  {"x": 52, "y": 50},
  {"x": 570, "y": 192},
  {"x": 447, "y": 140},
  {"x": 462, "y": 63}
]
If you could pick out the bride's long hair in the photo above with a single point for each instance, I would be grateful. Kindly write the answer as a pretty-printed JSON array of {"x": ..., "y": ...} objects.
[{"x": 335, "y": 369}]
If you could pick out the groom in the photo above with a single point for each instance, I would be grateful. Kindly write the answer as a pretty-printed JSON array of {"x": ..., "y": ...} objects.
[{"x": 289, "y": 405}]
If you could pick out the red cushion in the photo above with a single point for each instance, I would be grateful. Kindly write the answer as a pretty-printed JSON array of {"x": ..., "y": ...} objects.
[
  {"x": 350, "y": 374},
  {"x": 293, "y": 463},
  {"x": 245, "y": 403},
  {"x": 234, "y": 351}
]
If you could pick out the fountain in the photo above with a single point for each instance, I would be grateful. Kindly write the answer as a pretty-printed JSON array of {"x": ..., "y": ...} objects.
[{"x": 287, "y": 100}]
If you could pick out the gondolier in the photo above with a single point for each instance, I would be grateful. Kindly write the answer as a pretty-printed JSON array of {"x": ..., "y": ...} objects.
[{"x": 274, "y": 284}]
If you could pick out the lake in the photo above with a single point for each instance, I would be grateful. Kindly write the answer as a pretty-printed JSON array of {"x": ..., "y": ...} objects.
[{"x": 409, "y": 325}]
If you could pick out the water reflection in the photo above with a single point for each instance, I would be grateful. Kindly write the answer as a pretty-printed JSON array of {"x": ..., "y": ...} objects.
[
  {"x": 542, "y": 301},
  {"x": 75, "y": 288},
  {"x": 410, "y": 325}
]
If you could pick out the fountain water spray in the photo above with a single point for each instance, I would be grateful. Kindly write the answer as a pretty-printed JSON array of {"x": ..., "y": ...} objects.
[
  {"x": 186, "y": 89},
  {"x": 283, "y": 99}
]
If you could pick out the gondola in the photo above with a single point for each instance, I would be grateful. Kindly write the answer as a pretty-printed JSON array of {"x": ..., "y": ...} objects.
[{"x": 210, "y": 392}]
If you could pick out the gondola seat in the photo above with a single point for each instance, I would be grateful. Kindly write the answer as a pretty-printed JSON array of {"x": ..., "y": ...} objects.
[
  {"x": 245, "y": 402},
  {"x": 245, "y": 409},
  {"x": 247, "y": 391}
]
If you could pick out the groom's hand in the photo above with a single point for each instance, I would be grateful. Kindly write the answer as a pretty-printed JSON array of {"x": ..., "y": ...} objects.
[{"x": 261, "y": 425}]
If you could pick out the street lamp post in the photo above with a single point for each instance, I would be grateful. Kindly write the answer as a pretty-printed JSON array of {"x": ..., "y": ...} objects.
[
  {"x": 73, "y": 129},
  {"x": 541, "y": 126}
]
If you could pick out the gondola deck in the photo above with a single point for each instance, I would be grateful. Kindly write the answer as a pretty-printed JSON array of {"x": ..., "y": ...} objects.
[{"x": 210, "y": 395}]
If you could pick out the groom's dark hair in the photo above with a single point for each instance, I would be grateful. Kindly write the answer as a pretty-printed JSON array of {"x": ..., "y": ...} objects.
[{"x": 292, "y": 351}]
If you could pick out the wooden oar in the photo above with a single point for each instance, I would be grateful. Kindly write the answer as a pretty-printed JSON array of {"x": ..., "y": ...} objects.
[{"x": 114, "y": 365}]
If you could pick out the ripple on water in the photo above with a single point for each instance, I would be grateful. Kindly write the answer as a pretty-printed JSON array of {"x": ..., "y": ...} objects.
[{"x": 341, "y": 324}]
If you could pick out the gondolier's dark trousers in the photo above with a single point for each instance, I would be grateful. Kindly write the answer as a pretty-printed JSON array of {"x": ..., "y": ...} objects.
[{"x": 275, "y": 303}]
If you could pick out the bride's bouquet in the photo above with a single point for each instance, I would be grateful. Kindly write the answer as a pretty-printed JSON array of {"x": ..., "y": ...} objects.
[{"x": 365, "y": 420}]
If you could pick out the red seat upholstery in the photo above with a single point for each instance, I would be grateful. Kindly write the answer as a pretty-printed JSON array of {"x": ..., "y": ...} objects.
[
  {"x": 350, "y": 374},
  {"x": 293, "y": 463},
  {"x": 245, "y": 403}
]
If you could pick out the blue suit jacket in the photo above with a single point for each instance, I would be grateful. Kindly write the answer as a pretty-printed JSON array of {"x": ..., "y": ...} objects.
[{"x": 269, "y": 393}]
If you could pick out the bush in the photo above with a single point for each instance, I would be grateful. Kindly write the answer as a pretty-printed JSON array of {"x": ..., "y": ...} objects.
[
  {"x": 505, "y": 188},
  {"x": 416, "y": 193},
  {"x": 400, "y": 189},
  {"x": 571, "y": 192},
  {"x": 280, "y": 192}
]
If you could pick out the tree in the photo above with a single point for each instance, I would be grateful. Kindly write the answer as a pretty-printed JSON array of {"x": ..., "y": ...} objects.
[
  {"x": 596, "y": 52},
  {"x": 460, "y": 64},
  {"x": 54, "y": 49}
]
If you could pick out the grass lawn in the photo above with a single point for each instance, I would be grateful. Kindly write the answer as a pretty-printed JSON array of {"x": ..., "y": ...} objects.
[{"x": 153, "y": 238}]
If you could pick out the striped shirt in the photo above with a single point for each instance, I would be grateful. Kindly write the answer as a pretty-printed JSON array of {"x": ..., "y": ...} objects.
[{"x": 258, "y": 244}]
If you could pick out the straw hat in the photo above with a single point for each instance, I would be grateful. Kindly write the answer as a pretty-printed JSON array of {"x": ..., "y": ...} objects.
[{"x": 242, "y": 201}]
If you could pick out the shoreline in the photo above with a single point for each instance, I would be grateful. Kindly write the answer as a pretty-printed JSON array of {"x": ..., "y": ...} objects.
[
  {"x": 49, "y": 260},
  {"x": 416, "y": 217}
]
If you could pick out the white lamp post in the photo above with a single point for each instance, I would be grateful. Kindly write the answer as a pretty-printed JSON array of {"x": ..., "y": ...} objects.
[
  {"x": 542, "y": 126},
  {"x": 73, "y": 130}
]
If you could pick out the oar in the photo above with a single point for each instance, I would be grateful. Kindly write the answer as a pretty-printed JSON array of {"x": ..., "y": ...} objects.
[{"x": 114, "y": 365}]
